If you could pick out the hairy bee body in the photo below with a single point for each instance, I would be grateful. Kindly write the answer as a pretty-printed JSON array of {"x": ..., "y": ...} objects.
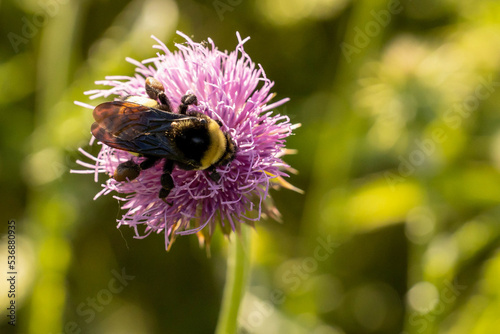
[{"x": 188, "y": 140}]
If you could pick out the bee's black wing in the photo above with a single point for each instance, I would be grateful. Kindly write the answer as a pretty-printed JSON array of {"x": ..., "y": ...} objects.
[{"x": 135, "y": 128}]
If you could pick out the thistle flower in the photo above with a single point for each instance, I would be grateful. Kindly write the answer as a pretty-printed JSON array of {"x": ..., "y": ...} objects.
[{"x": 227, "y": 88}]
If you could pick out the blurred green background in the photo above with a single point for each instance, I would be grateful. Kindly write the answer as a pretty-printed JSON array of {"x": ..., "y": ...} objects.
[{"x": 399, "y": 155}]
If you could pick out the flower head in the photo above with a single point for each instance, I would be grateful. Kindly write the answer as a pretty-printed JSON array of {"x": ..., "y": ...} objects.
[{"x": 230, "y": 88}]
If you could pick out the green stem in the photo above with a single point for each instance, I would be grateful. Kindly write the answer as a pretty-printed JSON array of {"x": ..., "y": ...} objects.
[{"x": 238, "y": 268}]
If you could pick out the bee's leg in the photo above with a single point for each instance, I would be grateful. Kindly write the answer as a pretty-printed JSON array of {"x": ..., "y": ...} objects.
[
  {"x": 214, "y": 176},
  {"x": 126, "y": 170},
  {"x": 131, "y": 170},
  {"x": 149, "y": 162},
  {"x": 156, "y": 91},
  {"x": 186, "y": 101},
  {"x": 164, "y": 102},
  {"x": 167, "y": 182},
  {"x": 154, "y": 88}
]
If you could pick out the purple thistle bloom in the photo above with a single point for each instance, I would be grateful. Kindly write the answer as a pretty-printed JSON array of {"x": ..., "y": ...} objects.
[{"x": 226, "y": 86}]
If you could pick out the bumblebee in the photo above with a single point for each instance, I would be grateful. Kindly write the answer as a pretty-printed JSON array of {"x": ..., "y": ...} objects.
[{"x": 148, "y": 126}]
